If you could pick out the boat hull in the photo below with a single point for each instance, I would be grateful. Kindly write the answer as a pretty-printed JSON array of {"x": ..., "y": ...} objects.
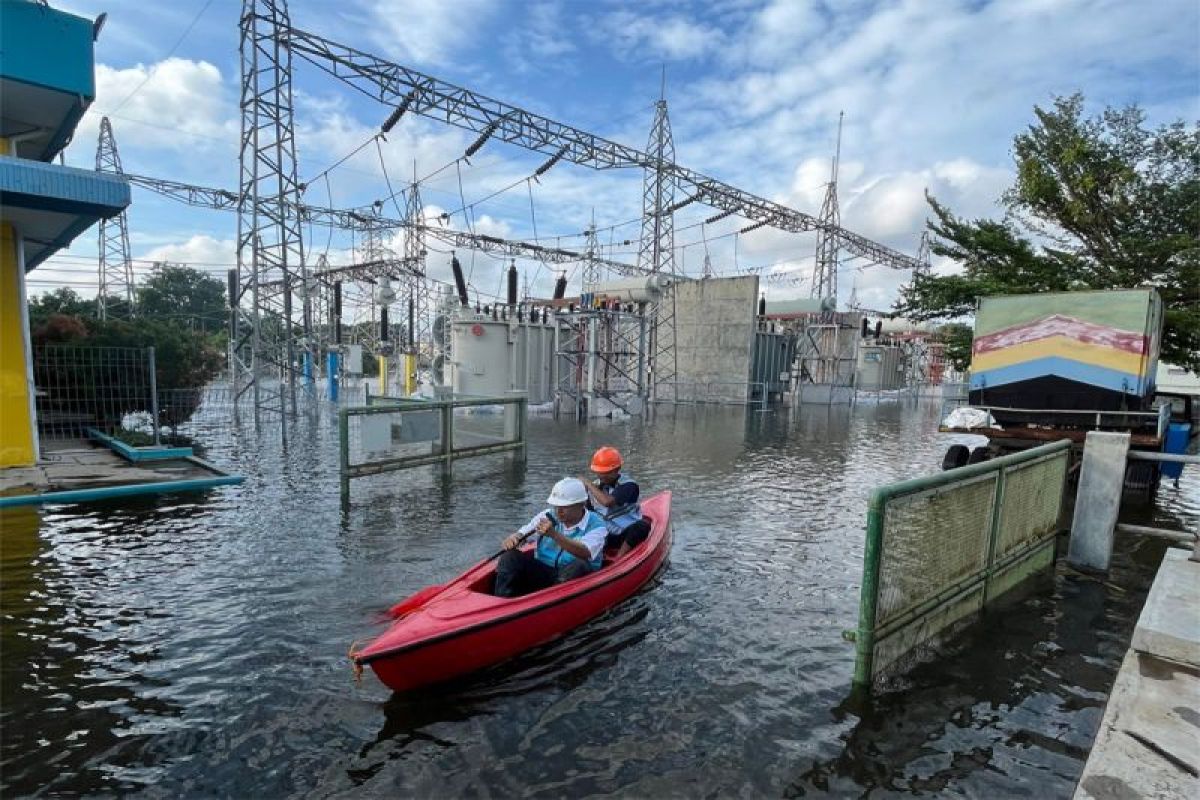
[{"x": 461, "y": 629}]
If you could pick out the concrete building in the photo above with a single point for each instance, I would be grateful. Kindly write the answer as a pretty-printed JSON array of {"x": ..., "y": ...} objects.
[{"x": 47, "y": 82}]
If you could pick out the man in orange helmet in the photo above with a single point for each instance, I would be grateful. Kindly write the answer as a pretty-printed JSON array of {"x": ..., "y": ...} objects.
[{"x": 614, "y": 495}]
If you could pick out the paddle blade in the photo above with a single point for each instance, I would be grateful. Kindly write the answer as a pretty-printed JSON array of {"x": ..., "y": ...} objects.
[{"x": 414, "y": 601}]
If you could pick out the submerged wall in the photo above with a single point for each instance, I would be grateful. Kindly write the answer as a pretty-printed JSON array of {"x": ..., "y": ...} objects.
[{"x": 714, "y": 334}]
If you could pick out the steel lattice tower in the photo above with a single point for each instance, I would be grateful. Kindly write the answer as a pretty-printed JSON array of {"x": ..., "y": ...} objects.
[
  {"x": 825, "y": 273},
  {"x": 591, "y": 268},
  {"x": 115, "y": 295},
  {"x": 270, "y": 247},
  {"x": 923, "y": 256},
  {"x": 415, "y": 282},
  {"x": 372, "y": 248},
  {"x": 656, "y": 254}
]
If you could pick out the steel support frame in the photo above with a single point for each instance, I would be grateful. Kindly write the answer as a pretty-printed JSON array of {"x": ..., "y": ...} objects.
[
  {"x": 399, "y": 86},
  {"x": 819, "y": 360},
  {"x": 115, "y": 295},
  {"x": 359, "y": 219},
  {"x": 270, "y": 245},
  {"x": 603, "y": 352}
]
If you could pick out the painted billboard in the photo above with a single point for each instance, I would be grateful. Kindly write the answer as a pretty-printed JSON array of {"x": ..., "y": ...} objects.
[{"x": 1105, "y": 339}]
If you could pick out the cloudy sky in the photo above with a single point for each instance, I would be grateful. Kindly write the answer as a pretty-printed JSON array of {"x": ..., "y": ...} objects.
[{"x": 932, "y": 92}]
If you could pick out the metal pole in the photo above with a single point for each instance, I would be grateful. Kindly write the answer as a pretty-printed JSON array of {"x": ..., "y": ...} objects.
[
  {"x": 864, "y": 639},
  {"x": 641, "y": 361},
  {"x": 554, "y": 357},
  {"x": 344, "y": 456},
  {"x": 447, "y": 435},
  {"x": 153, "y": 392},
  {"x": 592, "y": 345}
]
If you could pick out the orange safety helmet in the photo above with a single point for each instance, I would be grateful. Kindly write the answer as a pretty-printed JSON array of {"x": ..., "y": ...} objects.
[{"x": 606, "y": 459}]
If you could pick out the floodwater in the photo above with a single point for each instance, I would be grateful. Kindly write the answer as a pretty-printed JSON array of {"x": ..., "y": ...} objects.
[{"x": 196, "y": 644}]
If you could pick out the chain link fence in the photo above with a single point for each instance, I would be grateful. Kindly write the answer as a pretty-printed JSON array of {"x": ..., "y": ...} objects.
[{"x": 106, "y": 388}]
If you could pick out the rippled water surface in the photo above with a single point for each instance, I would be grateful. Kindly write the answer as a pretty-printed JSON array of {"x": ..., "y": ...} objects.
[{"x": 196, "y": 644}]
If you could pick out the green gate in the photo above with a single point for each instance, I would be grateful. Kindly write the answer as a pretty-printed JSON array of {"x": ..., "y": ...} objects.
[{"x": 943, "y": 546}]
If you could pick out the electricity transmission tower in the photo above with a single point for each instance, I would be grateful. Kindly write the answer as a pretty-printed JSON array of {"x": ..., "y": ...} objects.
[
  {"x": 923, "y": 256},
  {"x": 591, "y": 267},
  {"x": 825, "y": 274},
  {"x": 656, "y": 254},
  {"x": 269, "y": 242},
  {"x": 115, "y": 295}
]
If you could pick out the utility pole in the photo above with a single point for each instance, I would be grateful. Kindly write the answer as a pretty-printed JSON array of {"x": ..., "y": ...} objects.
[{"x": 115, "y": 295}]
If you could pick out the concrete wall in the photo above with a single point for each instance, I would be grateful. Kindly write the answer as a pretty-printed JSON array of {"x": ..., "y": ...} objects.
[{"x": 714, "y": 338}]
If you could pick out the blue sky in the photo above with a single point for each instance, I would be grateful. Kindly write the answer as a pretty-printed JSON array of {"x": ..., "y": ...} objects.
[{"x": 932, "y": 90}]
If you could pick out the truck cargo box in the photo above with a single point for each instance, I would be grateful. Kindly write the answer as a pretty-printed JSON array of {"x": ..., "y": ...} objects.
[{"x": 1095, "y": 350}]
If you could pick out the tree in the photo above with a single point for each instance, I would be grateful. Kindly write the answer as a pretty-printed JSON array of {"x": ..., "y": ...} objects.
[
  {"x": 185, "y": 296},
  {"x": 187, "y": 356},
  {"x": 1098, "y": 203},
  {"x": 62, "y": 300},
  {"x": 957, "y": 340}
]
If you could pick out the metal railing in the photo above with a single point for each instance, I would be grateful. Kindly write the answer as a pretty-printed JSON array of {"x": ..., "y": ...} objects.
[
  {"x": 940, "y": 547},
  {"x": 391, "y": 433},
  {"x": 1081, "y": 418}
]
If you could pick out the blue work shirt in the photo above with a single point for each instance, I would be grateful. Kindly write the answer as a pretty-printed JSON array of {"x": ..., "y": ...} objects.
[{"x": 589, "y": 531}]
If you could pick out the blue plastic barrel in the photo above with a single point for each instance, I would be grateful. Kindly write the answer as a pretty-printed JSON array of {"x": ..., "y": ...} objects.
[{"x": 1176, "y": 441}]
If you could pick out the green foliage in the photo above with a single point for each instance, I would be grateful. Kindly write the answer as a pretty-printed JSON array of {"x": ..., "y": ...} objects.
[
  {"x": 62, "y": 301},
  {"x": 1109, "y": 203},
  {"x": 184, "y": 296},
  {"x": 957, "y": 339},
  {"x": 133, "y": 438},
  {"x": 184, "y": 359}
]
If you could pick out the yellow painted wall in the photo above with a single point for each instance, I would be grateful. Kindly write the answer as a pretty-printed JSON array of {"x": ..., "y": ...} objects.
[{"x": 16, "y": 424}]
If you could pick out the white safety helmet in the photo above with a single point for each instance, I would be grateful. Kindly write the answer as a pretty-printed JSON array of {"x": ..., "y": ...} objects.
[{"x": 568, "y": 492}]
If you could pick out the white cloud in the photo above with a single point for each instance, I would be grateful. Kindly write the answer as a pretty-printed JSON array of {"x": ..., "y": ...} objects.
[
  {"x": 200, "y": 249},
  {"x": 428, "y": 32},
  {"x": 546, "y": 34},
  {"x": 781, "y": 29},
  {"x": 649, "y": 37},
  {"x": 177, "y": 100}
]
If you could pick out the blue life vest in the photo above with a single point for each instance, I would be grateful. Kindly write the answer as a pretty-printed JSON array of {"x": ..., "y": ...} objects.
[
  {"x": 618, "y": 518},
  {"x": 548, "y": 552}
]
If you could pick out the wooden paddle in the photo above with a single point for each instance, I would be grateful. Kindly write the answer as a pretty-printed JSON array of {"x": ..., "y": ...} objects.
[{"x": 423, "y": 596}]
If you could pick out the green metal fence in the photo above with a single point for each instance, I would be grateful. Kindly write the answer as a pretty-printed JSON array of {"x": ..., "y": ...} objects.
[
  {"x": 391, "y": 433},
  {"x": 943, "y": 546}
]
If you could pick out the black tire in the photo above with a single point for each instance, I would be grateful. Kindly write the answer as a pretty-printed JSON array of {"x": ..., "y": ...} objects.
[
  {"x": 956, "y": 456},
  {"x": 979, "y": 455}
]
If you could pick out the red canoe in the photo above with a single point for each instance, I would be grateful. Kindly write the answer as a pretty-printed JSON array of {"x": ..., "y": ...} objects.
[{"x": 461, "y": 627}]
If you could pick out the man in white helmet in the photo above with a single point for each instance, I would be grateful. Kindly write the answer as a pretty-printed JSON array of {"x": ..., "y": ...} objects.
[{"x": 570, "y": 544}]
